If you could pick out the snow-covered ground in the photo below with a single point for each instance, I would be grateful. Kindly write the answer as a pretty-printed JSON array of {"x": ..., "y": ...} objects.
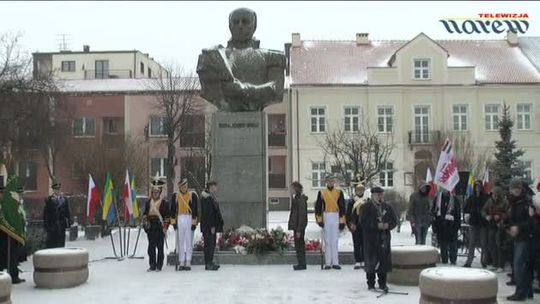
[{"x": 127, "y": 281}]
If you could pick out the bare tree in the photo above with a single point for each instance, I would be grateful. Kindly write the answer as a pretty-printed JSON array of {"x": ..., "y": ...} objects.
[
  {"x": 357, "y": 156},
  {"x": 175, "y": 93},
  {"x": 201, "y": 172},
  {"x": 34, "y": 115}
]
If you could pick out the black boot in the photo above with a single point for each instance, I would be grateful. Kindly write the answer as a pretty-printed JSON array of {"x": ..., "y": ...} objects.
[
  {"x": 517, "y": 297},
  {"x": 299, "y": 267}
]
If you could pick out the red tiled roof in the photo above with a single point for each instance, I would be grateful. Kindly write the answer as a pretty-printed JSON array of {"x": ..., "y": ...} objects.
[{"x": 345, "y": 62}]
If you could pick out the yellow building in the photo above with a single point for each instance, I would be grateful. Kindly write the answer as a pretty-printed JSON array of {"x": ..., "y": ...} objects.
[{"x": 416, "y": 91}]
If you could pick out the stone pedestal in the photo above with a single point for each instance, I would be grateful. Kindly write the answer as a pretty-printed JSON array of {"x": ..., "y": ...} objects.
[
  {"x": 409, "y": 261},
  {"x": 239, "y": 167},
  {"x": 60, "y": 267},
  {"x": 92, "y": 232},
  {"x": 5, "y": 288},
  {"x": 458, "y": 285}
]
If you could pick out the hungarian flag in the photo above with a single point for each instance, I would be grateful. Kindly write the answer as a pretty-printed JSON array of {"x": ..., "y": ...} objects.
[
  {"x": 127, "y": 199},
  {"x": 432, "y": 186},
  {"x": 486, "y": 183},
  {"x": 11, "y": 220},
  {"x": 109, "y": 208},
  {"x": 447, "y": 175},
  {"x": 92, "y": 200}
]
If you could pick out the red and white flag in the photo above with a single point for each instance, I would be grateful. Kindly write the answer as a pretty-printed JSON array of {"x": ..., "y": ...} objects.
[
  {"x": 92, "y": 200},
  {"x": 447, "y": 175},
  {"x": 485, "y": 182},
  {"x": 429, "y": 181},
  {"x": 126, "y": 197}
]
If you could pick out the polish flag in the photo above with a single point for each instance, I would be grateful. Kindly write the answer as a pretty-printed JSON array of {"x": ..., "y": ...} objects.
[
  {"x": 486, "y": 183},
  {"x": 93, "y": 199},
  {"x": 431, "y": 183},
  {"x": 126, "y": 196}
]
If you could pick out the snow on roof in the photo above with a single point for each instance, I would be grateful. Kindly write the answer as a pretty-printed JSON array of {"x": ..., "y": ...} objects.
[
  {"x": 109, "y": 85},
  {"x": 324, "y": 62}
]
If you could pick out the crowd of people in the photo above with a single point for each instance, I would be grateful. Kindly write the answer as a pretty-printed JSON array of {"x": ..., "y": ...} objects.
[{"x": 503, "y": 225}]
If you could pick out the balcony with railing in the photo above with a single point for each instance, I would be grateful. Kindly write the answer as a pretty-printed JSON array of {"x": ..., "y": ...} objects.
[
  {"x": 277, "y": 131},
  {"x": 276, "y": 181},
  {"x": 277, "y": 139},
  {"x": 107, "y": 74},
  {"x": 420, "y": 137}
]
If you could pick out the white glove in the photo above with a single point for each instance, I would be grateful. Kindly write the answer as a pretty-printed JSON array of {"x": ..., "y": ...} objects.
[{"x": 449, "y": 217}]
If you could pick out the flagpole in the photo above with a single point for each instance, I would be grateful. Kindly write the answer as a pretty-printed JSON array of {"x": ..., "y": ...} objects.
[
  {"x": 8, "y": 253},
  {"x": 119, "y": 228}
]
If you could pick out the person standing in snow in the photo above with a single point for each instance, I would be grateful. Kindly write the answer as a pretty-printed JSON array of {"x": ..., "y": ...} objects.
[
  {"x": 211, "y": 223},
  {"x": 354, "y": 212},
  {"x": 184, "y": 213},
  {"x": 330, "y": 215},
  {"x": 156, "y": 222},
  {"x": 447, "y": 213},
  {"x": 298, "y": 222}
]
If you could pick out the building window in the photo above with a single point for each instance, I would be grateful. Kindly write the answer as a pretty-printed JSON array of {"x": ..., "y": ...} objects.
[
  {"x": 492, "y": 117},
  {"x": 352, "y": 119},
  {"x": 524, "y": 114},
  {"x": 386, "y": 177},
  {"x": 102, "y": 69},
  {"x": 157, "y": 126},
  {"x": 68, "y": 66},
  {"x": 527, "y": 171},
  {"x": 421, "y": 124},
  {"x": 422, "y": 69},
  {"x": 385, "y": 119},
  {"x": 28, "y": 170},
  {"x": 157, "y": 166},
  {"x": 318, "y": 119},
  {"x": 142, "y": 68},
  {"x": 84, "y": 126},
  {"x": 149, "y": 73},
  {"x": 111, "y": 126},
  {"x": 318, "y": 170},
  {"x": 193, "y": 131},
  {"x": 460, "y": 117}
]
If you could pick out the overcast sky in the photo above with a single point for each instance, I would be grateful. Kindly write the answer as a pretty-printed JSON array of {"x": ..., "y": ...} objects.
[{"x": 177, "y": 31}]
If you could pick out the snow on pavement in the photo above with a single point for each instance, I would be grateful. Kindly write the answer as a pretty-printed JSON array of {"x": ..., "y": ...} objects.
[{"x": 127, "y": 281}]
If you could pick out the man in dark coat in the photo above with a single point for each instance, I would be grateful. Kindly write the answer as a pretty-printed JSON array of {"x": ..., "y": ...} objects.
[
  {"x": 378, "y": 219},
  {"x": 478, "y": 232},
  {"x": 447, "y": 213},
  {"x": 419, "y": 213},
  {"x": 156, "y": 220},
  {"x": 519, "y": 223},
  {"x": 211, "y": 223},
  {"x": 56, "y": 218},
  {"x": 298, "y": 222},
  {"x": 354, "y": 212}
]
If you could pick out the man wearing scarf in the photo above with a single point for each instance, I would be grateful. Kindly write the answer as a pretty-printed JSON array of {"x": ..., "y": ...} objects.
[
  {"x": 211, "y": 223},
  {"x": 378, "y": 219},
  {"x": 354, "y": 212},
  {"x": 330, "y": 215},
  {"x": 184, "y": 212},
  {"x": 447, "y": 213},
  {"x": 156, "y": 223}
]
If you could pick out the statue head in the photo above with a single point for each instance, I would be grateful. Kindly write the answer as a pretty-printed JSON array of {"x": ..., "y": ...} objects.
[{"x": 242, "y": 23}]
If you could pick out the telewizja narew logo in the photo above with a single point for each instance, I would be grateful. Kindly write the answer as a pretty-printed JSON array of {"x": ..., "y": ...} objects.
[{"x": 487, "y": 23}]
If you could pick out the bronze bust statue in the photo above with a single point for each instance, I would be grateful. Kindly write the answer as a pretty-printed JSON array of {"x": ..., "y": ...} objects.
[{"x": 241, "y": 77}]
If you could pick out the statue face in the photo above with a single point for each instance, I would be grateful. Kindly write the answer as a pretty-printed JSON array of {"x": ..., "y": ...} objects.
[{"x": 242, "y": 23}]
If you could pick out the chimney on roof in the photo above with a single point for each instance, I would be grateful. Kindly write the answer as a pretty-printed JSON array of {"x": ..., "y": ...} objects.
[
  {"x": 296, "y": 41},
  {"x": 86, "y": 48},
  {"x": 362, "y": 38},
  {"x": 512, "y": 38}
]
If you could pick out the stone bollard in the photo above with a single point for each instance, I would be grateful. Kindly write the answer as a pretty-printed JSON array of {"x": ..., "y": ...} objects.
[
  {"x": 458, "y": 286},
  {"x": 60, "y": 267},
  {"x": 5, "y": 288},
  {"x": 409, "y": 261},
  {"x": 92, "y": 232}
]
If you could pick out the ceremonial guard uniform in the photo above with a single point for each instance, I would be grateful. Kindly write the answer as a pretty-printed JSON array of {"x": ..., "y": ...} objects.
[
  {"x": 354, "y": 212},
  {"x": 56, "y": 218},
  {"x": 184, "y": 213},
  {"x": 330, "y": 215},
  {"x": 378, "y": 219},
  {"x": 211, "y": 224},
  {"x": 156, "y": 223}
]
